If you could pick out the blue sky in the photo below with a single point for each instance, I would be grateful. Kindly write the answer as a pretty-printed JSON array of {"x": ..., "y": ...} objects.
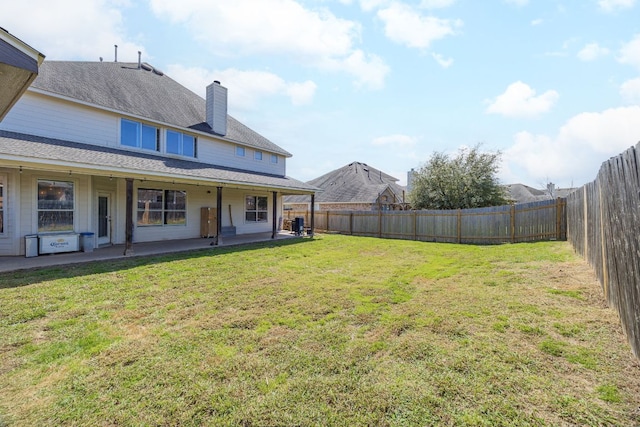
[{"x": 554, "y": 85}]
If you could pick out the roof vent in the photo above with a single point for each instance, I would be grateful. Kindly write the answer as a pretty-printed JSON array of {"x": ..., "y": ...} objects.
[
  {"x": 146, "y": 66},
  {"x": 217, "y": 107}
]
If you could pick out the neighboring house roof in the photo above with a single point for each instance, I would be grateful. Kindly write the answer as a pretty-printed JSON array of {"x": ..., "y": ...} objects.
[
  {"x": 354, "y": 183},
  {"x": 521, "y": 193},
  {"x": 19, "y": 147},
  {"x": 18, "y": 67},
  {"x": 144, "y": 92}
]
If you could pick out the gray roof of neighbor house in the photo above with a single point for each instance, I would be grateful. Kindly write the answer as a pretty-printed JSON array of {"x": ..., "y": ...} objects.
[
  {"x": 521, "y": 193},
  {"x": 30, "y": 150},
  {"x": 145, "y": 92},
  {"x": 354, "y": 183}
]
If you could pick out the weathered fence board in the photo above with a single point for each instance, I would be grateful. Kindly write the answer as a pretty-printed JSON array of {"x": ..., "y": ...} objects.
[
  {"x": 603, "y": 221},
  {"x": 545, "y": 220}
]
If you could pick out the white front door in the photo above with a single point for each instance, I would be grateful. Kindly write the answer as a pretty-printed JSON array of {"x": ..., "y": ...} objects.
[{"x": 104, "y": 218}]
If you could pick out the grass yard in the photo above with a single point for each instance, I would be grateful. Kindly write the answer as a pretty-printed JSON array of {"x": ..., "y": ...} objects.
[{"x": 338, "y": 331}]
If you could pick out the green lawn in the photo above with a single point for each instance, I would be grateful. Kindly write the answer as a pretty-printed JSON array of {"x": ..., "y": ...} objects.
[{"x": 338, "y": 330}]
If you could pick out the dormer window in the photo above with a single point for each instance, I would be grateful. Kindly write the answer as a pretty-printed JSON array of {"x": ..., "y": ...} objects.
[
  {"x": 139, "y": 135},
  {"x": 240, "y": 151},
  {"x": 257, "y": 155},
  {"x": 181, "y": 144}
]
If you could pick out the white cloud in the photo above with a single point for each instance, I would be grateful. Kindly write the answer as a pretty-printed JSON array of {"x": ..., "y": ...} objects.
[
  {"x": 536, "y": 22},
  {"x": 405, "y": 25},
  {"x": 517, "y": 2},
  {"x": 630, "y": 91},
  {"x": 246, "y": 88},
  {"x": 436, "y": 4},
  {"x": 579, "y": 148},
  {"x": 68, "y": 29},
  {"x": 313, "y": 38},
  {"x": 369, "y": 5},
  {"x": 520, "y": 100},
  {"x": 613, "y": 5},
  {"x": 592, "y": 51},
  {"x": 444, "y": 62},
  {"x": 368, "y": 70},
  {"x": 630, "y": 52},
  {"x": 395, "y": 141}
]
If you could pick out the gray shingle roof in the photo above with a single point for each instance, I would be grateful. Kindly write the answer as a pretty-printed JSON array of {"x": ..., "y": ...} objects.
[
  {"x": 122, "y": 86},
  {"x": 354, "y": 183},
  {"x": 521, "y": 193},
  {"x": 27, "y": 148}
]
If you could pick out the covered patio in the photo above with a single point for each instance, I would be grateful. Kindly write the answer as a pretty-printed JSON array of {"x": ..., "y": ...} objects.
[{"x": 113, "y": 252}]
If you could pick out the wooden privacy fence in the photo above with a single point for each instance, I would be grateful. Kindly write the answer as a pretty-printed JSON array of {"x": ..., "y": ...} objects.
[
  {"x": 603, "y": 226},
  {"x": 544, "y": 220}
]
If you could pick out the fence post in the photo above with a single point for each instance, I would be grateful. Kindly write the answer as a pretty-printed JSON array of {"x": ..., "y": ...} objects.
[
  {"x": 351, "y": 223},
  {"x": 379, "y": 221},
  {"x": 415, "y": 225},
  {"x": 605, "y": 270},
  {"x": 459, "y": 225},
  {"x": 558, "y": 218},
  {"x": 512, "y": 223},
  {"x": 586, "y": 225},
  {"x": 327, "y": 221}
]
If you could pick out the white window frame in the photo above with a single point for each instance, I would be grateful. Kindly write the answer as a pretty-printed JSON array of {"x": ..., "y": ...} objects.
[
  {"x": 181, "y": 136},
  {"x": 259, "y": 213},
  {"x": 74, "y": 186},
  {"x": 3, "y": 204},
  {"x": 163, "y": 210},
  {"x": 140, "y": 132}
]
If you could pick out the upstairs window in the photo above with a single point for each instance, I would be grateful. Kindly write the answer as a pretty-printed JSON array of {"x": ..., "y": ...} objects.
[
  {"x": 55, "y": 206},
  {"x": 274, "y": 158},
  {"x": 257, "y": 155},
  {"x": 181, "y": 144},
  {"x": 255, "y": 209},
  {"x": 240, "y": 151},
  {"x": 139, "y": 135}
]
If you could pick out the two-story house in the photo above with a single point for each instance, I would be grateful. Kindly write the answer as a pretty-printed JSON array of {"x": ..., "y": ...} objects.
[{"x": 122, "y": 151}]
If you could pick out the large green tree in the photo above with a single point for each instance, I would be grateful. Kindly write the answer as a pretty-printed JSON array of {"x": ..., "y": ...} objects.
[{"x": 465, "y": 180}]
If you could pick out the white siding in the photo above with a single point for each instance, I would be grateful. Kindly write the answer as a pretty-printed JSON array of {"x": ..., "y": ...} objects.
[
  {"x": 40, "y": 115},
  {"x": 223, "y": 153},
  {"x": 10, "y": 239}
]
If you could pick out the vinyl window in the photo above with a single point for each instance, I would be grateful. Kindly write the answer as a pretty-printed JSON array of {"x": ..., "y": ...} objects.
[
  {"x": 181, "y": 143},
  {"x": 139, "y": 135},
  {"x": 55, "y": 206},
  {"x": 1, "y": 206},
  {"x": 256, "y": 208},
  {"x": 161, "y": 207}
]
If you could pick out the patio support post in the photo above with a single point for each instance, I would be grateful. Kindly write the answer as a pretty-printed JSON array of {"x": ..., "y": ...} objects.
[
  {"x": 313, "y": 216},
  {"x": 275, "y": 213},
  {"x": 128, "y": 246},
  {"x": 218, "y": 239}
]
